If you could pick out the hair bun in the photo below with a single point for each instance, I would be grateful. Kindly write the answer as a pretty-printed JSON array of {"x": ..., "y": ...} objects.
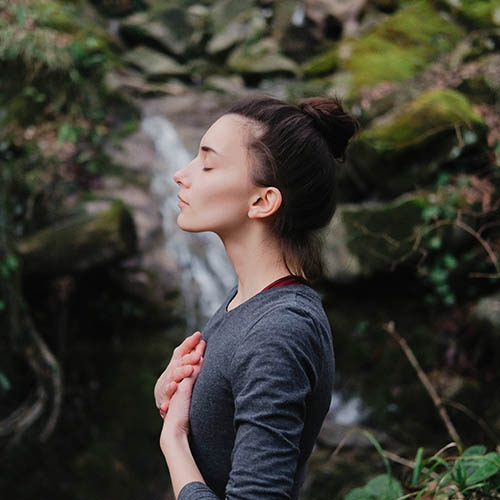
[{"x": 337, "y": 126}]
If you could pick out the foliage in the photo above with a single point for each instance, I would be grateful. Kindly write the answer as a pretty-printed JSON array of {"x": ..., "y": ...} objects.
[
  {"x": 55, "y": 118},
  {"x": 466, "y": 203},
  {"x": 474, "y": 474}
]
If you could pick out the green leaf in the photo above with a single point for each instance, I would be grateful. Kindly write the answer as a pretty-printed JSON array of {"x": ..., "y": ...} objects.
[
  {"x": 4, "y": 382},
  {"x": 488, "y": 466},
  {"x": 438, "y": 275},
  {"x": 430, "y": 212},
  {"x": 443, "y": 179},
  {"x": 449, "y": 261},
  {"x": 477, "y": 449},
  {"x": 67, "y": 133},
  {"x": 434, "y": 243},
  {"x": 377, "y": 446},
  {"x": 21, "y": 15},
  {"x": 418, "y": 467},
  {"x": 2, "y": 305},
  {"x": 449, "y": 212},
  {"x": 11, "y": 262},
  {"x": 449, "y": 299},
  {"x": 357, "y": 494},
  {"x": 384, "y": 487}
]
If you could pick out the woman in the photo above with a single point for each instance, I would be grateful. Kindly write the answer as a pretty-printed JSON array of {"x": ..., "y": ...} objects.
[{"x": 264, "y": 180}]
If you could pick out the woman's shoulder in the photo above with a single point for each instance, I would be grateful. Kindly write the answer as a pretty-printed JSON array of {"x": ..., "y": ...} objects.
[
  {"x": 292, "y": 313},
  {"x": 294, "y": 301}
]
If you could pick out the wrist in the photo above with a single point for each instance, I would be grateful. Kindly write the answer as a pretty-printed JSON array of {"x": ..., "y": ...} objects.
[{"x": 176, "y": 441}]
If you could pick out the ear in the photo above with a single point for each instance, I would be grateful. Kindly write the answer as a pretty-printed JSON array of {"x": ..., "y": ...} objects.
[{"x": 266, "y": 202}]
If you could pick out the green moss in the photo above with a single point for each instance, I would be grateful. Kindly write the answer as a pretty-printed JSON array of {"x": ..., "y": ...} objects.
[
  {"x": 476, "y": 13},
  {"x": 431, "y": 113},
  {"x": 322, "y": 64},
  {"x": 381, "y": 234},
  {"x": 402, "y": 46}
]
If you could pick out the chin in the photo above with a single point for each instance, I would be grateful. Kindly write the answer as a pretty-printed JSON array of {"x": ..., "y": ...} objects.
[{"x": 188, "y": 227}]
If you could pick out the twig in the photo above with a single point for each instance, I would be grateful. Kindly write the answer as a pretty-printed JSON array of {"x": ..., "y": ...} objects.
[
  {"x": 480, "y": 421},
  {"x": 438, "y": 403},
  {"x": 460, "y": 223}
]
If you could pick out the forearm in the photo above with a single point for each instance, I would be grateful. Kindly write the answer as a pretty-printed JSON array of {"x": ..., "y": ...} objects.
[{"x": 180, "y": 462}]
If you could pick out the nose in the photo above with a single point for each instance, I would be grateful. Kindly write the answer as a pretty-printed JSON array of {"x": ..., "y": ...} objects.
[{"x": 180, "y": 177}]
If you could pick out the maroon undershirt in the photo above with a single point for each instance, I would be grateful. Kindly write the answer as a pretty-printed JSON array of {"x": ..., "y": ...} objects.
[{"x": 286, "y": 280}]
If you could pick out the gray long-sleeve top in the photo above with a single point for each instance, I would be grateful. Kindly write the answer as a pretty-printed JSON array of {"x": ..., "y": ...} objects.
[{"x": 261, "y": 396}]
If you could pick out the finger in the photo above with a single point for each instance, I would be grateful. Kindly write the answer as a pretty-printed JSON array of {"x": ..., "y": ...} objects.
[
  {"x": 187, "y": 384},
  {"x": 192, "y": 358},
  {"x": 171, "y": 388},
  {"x": 182, "y": 372},
  {"x": 188, "y": 344},
  {"x": 201, "y": 347}
]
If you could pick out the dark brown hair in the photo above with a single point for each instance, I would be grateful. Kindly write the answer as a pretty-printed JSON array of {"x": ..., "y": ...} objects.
[{"x": 295, "y": 150}]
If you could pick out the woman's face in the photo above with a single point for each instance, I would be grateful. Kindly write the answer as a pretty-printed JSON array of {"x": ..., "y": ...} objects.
[{"x": 216, "y": 187}]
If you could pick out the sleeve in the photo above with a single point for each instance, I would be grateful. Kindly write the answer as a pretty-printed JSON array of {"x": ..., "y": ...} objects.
[
  {"x": 196, "y": 491},
  {"x": 273, "y": 373}
]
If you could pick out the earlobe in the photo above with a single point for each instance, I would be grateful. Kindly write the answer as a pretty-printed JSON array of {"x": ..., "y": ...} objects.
[{"x": 266, "y": 202}]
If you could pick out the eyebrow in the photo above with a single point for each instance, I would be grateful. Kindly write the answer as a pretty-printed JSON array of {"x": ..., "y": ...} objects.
[{"x": 208, "y": 149}]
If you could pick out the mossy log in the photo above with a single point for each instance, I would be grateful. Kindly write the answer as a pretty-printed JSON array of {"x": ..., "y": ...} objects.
[{"x": 80, "y": 243}]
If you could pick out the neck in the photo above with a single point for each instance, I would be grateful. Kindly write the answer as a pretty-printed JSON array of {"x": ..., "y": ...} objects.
[{"x": 257, "y": 261}]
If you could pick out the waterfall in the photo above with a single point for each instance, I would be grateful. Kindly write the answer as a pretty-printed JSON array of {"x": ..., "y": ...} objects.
[{"x": 206, "y": 272}]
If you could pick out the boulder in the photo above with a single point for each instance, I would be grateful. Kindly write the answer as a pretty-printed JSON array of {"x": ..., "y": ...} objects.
[
  {"x": 482, "y": 82},
  {"x": 117, "y": 8},
  {"x": 346, "y": 14},
  {"x": 80, "y": 243},
  {"x": 224, "y": 12},
  {"x": 399, "y": 47},
  {"x": 248, "y": 25},
  {"x": 231, "y": 85},
  {"x": 165, "y": 28},
  {"x": 378, "y": 236},
  {"x": 261, "y": 58},
  {"x": 474, "y": 13},
  {"x": 406, "y": 148},
  {"x": 155, "y": 65},
  {"x": 283, "y": 17}
]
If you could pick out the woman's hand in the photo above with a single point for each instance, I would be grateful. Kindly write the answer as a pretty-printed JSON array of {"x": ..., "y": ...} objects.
[
  {"x": 176, "y": 421},
  {"x": 184, "y": 359}
]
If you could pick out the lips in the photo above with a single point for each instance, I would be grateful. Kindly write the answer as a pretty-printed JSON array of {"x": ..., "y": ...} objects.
[{"x": 183, "y": 201}]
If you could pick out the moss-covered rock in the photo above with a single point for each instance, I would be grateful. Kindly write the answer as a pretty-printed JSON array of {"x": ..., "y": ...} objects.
[
  {"x": 119, "y": 8},
  {"x": 224, "y": 12},
  {"x": 81, "y": 243},
  {"x": 406, "y": 149},
  {"x": 382, "y": 235},
  {"x": 168, "y": 28},
  {"x": 401, "y": 46},
  {"x": 322, "y": 64},
  {"x": 249, "y": 25},
  {"x": 261, "y": 58},
  {"x": 475, "y": 13},
  {"x": 155, "y": 65},
  {"x": 483, "y": 85}
]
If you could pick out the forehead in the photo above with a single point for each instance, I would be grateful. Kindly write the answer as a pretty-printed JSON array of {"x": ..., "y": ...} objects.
[{"x": 228, "y": 135}]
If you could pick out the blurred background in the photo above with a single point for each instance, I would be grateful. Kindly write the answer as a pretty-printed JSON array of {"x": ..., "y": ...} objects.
[{"x": 101, "y": 101}]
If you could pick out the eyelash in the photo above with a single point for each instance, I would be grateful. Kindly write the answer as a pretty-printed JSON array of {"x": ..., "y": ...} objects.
[{"x": 206, "y": 169}]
